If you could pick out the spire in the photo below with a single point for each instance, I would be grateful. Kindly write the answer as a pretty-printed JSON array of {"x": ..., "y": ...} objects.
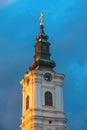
[
  {"x": 42, "y": 50},
  {"x": 42, "y": 36}
]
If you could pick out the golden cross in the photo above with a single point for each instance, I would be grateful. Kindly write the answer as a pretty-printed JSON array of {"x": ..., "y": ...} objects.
[{"x": 41, "y": 18}]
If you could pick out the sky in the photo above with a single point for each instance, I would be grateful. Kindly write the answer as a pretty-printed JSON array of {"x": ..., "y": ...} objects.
[{"x": 66, "y": 25}]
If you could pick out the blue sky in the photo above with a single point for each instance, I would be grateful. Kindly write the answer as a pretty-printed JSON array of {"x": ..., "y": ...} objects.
[{"x": 66, "y": 26}]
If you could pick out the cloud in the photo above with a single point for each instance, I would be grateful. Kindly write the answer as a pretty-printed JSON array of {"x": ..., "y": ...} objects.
[
  {"x": 79, "y": 73},
  {"x": 66, "y": 27},
  {"x": 6, "y": 2}
]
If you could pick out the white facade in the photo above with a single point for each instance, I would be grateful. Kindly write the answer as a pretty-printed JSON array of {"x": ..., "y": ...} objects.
[{"x": 40, "y": 116}]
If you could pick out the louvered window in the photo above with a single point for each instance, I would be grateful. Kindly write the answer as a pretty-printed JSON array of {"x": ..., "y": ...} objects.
[
  {"x": 27, "y": 102},
  {"x": 48, "y": 99}
]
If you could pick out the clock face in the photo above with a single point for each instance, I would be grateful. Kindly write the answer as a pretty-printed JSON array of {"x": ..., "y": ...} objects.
[{"x": 48, "y": 77}]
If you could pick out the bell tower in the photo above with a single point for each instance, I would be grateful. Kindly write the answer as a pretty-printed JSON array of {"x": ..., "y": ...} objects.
[{"x": 42, "y": 90}]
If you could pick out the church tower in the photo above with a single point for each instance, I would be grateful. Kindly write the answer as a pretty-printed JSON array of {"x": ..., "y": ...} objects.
[{"x": 42, "y": 92}]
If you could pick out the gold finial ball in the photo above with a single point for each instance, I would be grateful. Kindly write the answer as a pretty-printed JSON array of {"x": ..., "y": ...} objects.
[{"x": 42, "y": 19}]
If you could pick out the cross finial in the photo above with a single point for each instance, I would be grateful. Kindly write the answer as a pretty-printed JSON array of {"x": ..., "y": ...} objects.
[{"x": 42, "y": 19}]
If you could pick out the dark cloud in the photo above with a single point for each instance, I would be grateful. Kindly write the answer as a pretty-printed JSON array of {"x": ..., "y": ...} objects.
[{"x": 66, "y": 26}]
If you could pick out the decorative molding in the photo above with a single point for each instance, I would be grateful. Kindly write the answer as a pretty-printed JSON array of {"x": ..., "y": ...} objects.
[
  {"x": 48, "y": 86},
  {"x": 46, "y": 118},
  {"x": 59, "y": 76},
  {"x": 50, "y": 109},
  {"x": 60, "y": 84}
]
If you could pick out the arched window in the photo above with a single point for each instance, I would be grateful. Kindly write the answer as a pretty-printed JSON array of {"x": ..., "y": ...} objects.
[
  {"x": 27, "y": 102},
  {"x": 48, "y": 99},
  {"x": 27, "y": 81}
]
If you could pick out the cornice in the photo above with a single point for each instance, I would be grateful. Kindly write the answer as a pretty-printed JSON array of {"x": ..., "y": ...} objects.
[
  {"x": 33, "y": 118},
  {"x": 59, "y": 76}
]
